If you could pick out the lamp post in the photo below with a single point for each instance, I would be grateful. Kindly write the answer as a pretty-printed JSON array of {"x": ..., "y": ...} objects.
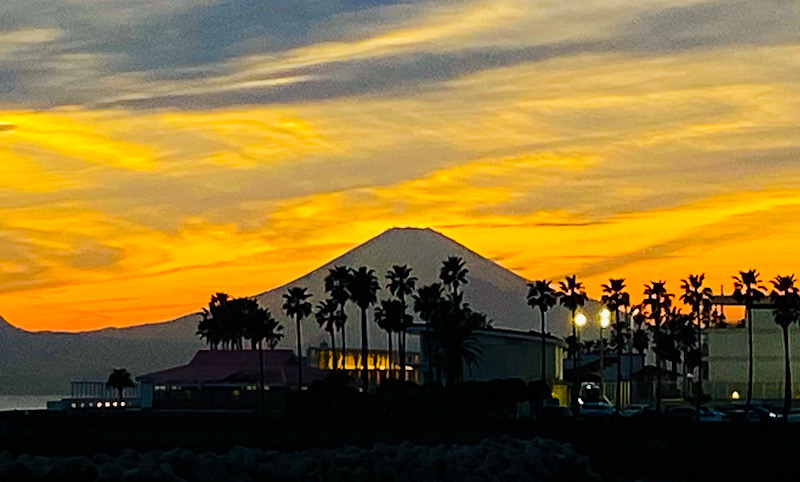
[
  {"x": 580, "y": 320},
  {"x": 605, "y": 322}
]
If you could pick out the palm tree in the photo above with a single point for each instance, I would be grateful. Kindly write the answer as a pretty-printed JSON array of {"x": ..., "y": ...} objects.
[
  {"x": 572, "y": 296},
  {"x": 458, "y": 345},
  {"x": 391, "y": 317},
  {"x": 119, "y": 380},
  {"x": 402, "y": 284},
  {"x": 427, "y": 303},
  {"x": 698, "y": 298},
  {"x": 296, "y": 306},
  {"x": 658, "y": 301},
  {"x": 363, "y": 288},
  {"x": 616, "y": 298},
  {"x": 258, "y": 325},
  {"x": 336, "y": 284},
  {"x": 747, "y": 289},
  {"x": 453, "y": 274},
  {"x": 542, "y": 296},
  {"x": 326, "y": 319},
  {"x": 640, "y": 340},
  {"x": 786, "y": 303}
]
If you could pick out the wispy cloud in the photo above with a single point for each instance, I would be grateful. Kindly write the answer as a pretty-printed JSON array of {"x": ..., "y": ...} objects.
[{"x": 174, "y": 148}]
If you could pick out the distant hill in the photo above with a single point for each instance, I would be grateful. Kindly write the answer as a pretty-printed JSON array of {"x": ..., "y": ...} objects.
[{"x": 45, "y": 362}]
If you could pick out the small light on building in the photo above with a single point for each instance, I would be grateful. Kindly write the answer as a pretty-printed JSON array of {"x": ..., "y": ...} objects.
[
  {"x": 108, "y": 404},
  {"x": 735, "y": 395},
  {"x": 115, "y": 404},
  {"x": 74, "y": 405},
  {"x": 121, "y": 404}
]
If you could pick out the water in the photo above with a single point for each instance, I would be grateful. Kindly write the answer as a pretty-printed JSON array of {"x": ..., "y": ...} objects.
[{"x": 26, "y": 402}]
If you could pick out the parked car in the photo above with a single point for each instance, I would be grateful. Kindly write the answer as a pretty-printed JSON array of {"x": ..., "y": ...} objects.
[
  {"x": 689, "y": 414},
  {"x": 632, "y": 410},
  {"x": 711, "y": 415},
  {"x": 682, "y": 414},
  {"x": 557, "y": 412},
  {"x": 597, "y": 411},
  {"x": 758, "y": 413}
]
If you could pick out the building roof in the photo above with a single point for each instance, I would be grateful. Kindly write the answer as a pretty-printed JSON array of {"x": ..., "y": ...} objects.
[
  {"x": 729, "y": 300},
  {"x": 227, "y": 367},
  {"x": 498, "y": 332}
]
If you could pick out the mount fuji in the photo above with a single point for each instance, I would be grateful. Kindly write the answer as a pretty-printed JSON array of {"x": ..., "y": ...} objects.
[{"x": 44, "y": 362}]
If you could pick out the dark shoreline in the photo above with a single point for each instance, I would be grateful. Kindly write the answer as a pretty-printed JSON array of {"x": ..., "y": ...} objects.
[{"x": 625, "y": 450}]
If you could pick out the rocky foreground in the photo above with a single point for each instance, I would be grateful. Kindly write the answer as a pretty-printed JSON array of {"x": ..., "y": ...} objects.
[{"x": 504, "y": 460}]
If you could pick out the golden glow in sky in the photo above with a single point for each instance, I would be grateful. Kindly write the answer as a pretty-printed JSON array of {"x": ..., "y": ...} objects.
[{"x": 143, "y": 168}]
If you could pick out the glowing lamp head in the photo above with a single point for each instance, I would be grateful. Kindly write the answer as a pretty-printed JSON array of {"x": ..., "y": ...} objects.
[
  {"x": 580, "y": 319},
  {"x": 735, "y": 395},
  {"x": 605, "y": 318}
]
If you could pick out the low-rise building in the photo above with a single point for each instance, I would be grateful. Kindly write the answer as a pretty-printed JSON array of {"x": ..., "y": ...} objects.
[
  {"x": 726, "y": 355},
  {"x": 226, "y": 380}
]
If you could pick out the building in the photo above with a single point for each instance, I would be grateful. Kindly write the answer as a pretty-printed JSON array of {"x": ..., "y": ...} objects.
[
  {"x": 727, "y": 355},
  {"x": 94, "y": 395},
  {"x": 225, "y": 380},
  {"x": 504, "y": 353},
  {"x": 378, "y": 364}
]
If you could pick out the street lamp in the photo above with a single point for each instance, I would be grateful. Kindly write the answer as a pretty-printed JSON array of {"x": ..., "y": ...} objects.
[
  {"x": 580, "y": 321},
  {"x": 605, "y": 322}
]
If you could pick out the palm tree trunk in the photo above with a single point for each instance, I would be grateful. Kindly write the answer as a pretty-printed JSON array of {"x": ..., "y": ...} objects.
[
  {"x": 401, "y": 340},
  {"x": 576, "y": 383},
  {"x": 344, "y": 341},
  {"x": 299, "y": 357},
  {"x": 749, "y": 362},
  {"x": 334, "y": 360},
  {"x": 658, "y": 369},
  {"x": 699, "y": 393},
  {"x": 544, "y": 348},
  {"x": 364, "y": 350},
  {"x": 391, "y": 373},
  {"x": 619, "y": 376},
  {"x": 261, "y": 376},
  {"x": 787, "y": 382}
]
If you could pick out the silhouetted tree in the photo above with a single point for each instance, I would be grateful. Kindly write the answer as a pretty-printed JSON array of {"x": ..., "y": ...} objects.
[
  {"x": 458, "y": 344},
  {"x": 658, "y": 301},
  {"x": 337, "y": 285},
  {"x": 454, "y": 274},
  {"x": 542, "y": 296},
  {"x": 296, "y": 306},
  {"x": 221, "y": 323},
  {"x": 748, "y": 290},
  {"x": 401, "y": 285},
  {"x": 326, "y": 315},
  {"x": 572, "y": 296},
  {"x": 391, "y": 318},
  {"x": 427, "y": 304},
  {"x": 786, "y": 310},
  {"x": 698, "y": 298},
  {"x": 119, "y": 380},
  {"x": 617, "y": 299},
  {"x": 363, "y": 288}
]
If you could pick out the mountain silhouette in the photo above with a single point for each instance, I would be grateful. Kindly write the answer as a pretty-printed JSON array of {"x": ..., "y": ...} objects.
[
  {"x": 45, "y": 362},
  {"x": 492, "y": 289}
]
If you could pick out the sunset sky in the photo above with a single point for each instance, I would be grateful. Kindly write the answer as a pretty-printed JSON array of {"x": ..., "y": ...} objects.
[{"x": 155, "y": 151}]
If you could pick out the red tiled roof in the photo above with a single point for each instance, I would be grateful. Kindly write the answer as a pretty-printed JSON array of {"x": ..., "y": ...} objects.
[{"x": 235, "y": 366}]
